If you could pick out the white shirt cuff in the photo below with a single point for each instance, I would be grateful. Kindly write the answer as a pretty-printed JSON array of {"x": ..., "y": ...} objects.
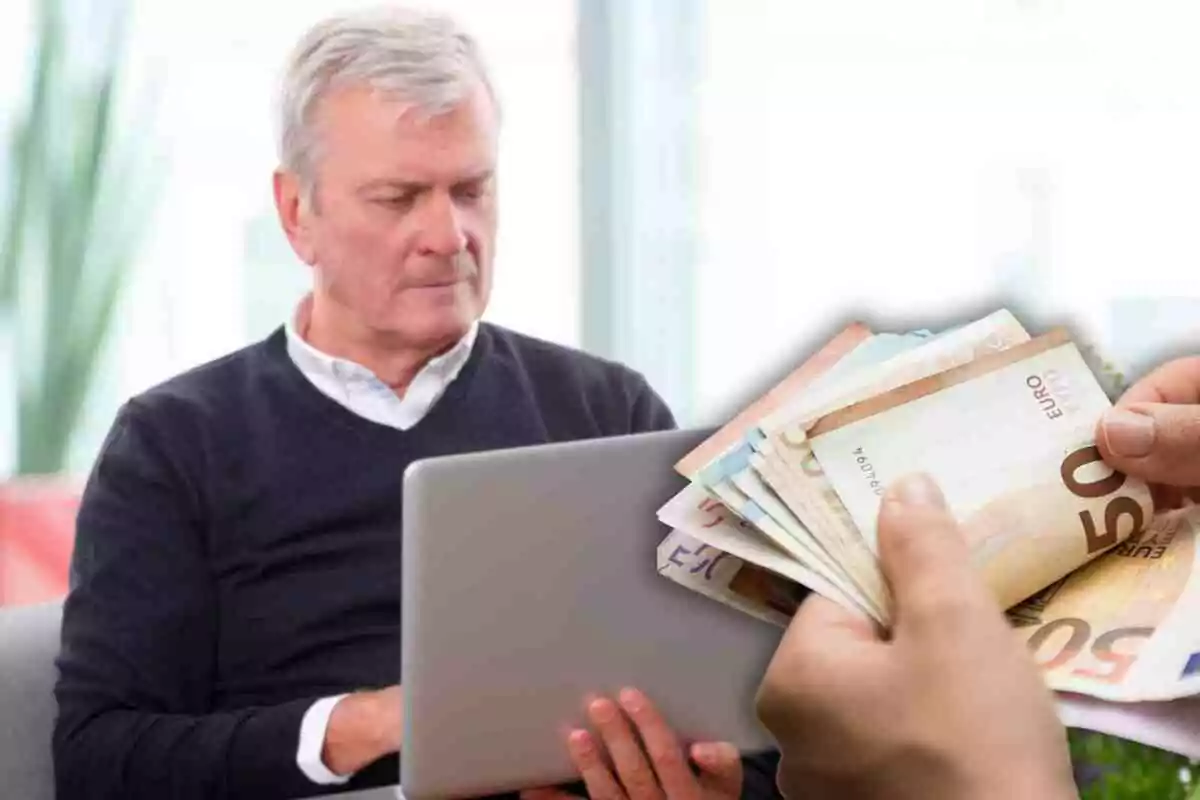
[{"x": 312, "y": 742}]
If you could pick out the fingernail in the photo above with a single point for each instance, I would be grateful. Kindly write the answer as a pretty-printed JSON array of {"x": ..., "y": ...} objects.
[
  {"x": 603, "y": 710},
  {"x": 704, "y": 753},
  {"x": 917, "y": 489},
  {"x": 633, "y": 700},
  {"x": 580, "y": 742},
  {"x": 713, "y": 753},
  {"x": 1128, "y": 433}
]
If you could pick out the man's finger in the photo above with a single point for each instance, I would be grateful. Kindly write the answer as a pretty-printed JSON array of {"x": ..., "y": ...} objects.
[
  {"x": 666, "y": 754},
  {"x": 824, "y": 648},
  {"x": 721, "y": 771},
  {"x": 585, "y": 755},
  {"x": 1157, "y": 442},
  {"x": 923, "y": 555},
  {"x": 1166, "y": 498},
  {"x": 831, "y": 619},
  {"x": 633, "y": 770}
]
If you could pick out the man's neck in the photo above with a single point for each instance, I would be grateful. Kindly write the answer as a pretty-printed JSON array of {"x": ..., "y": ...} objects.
[{"x": 394, "y": 362}]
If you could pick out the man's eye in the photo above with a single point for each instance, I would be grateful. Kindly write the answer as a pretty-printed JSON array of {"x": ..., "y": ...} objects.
[
  {"x": 397, "y": 201},
  {"x": 471, "y": 191}
]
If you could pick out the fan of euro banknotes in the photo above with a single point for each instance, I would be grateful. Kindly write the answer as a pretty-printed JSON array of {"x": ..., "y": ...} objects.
[{"x": 783, "y": 499}]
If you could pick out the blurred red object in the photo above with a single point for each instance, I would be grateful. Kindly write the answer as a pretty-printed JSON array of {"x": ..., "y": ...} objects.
[{"x": 37, "y": 534}]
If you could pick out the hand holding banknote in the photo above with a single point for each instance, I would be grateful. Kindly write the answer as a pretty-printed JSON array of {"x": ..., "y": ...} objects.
[
  {"x": 1153, "y": 432},
  {"x": 1070, "y": 512},
  {"x": 949, "y": 706}
]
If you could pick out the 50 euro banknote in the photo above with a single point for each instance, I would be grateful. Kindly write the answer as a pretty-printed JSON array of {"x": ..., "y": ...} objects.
[
  {"x": 778, "y": 494},
  {"x": 1100, "y": 587},
  {"x": 785, "y": 465},
  {"x": 719, "y": 467},
  {"x": 1010, "y": 439},
  {"x": 1120, "y": 629},
  {"x": 755, "y": 527},
  {"x": 1123, "y": 628}
]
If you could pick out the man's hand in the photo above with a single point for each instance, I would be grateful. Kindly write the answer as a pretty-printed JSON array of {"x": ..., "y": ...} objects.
[
  {"x": 950, "y": 706},
  {"x": 364, "y": 727},
  {"x": 659, "y": 771},
  {"x": 1153, "y": 433}
]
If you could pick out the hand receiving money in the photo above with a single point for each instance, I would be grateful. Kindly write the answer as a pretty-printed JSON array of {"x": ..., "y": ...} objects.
[{"x": 949, "y": 706}]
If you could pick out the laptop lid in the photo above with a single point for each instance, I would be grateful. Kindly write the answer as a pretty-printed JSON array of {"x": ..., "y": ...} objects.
[{"x": 529, "y": 580}]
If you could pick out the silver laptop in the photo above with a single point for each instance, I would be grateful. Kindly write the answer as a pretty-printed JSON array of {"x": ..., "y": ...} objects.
[{"x": 530, "y": 580}]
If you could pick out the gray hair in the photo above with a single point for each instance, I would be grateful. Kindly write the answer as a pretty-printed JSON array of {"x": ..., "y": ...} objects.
[{"x": 423, "y": 59}]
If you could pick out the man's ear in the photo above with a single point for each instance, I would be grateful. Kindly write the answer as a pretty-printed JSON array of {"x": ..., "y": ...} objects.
[{"x": 294, "y": 215}]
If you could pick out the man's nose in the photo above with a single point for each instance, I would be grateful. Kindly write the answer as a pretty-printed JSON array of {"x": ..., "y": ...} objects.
[{"x": 441, "y": 228}]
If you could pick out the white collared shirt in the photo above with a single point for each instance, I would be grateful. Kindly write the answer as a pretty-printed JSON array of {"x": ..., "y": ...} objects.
[{"x": 362, "y": 392}]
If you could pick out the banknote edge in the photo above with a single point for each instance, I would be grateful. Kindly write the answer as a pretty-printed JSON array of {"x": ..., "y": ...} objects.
[
  {"x": 872, "y": 406},
  {"x": 811, "y": 369}
]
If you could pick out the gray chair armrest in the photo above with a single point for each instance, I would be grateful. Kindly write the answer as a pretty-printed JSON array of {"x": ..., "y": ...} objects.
[{"x": 29, "y": 643}]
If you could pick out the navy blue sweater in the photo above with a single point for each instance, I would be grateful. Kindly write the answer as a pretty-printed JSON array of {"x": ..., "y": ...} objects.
[{"x": 237, "y": 556}]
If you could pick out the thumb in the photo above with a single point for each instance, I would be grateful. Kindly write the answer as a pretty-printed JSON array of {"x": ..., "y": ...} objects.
[
  {"x": 1157, "y": 442},
  {"x": 924, "y": 556},
  {"x": 720, "y": 766}
]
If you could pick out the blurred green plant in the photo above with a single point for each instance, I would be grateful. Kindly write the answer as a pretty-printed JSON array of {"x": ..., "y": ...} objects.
[
  {"x": 68, "y": 228},
  {"x": 1111, "y": 768}
]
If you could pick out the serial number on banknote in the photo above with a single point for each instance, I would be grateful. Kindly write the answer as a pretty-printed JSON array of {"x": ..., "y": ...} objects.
[{"x": 868, "y": 470}]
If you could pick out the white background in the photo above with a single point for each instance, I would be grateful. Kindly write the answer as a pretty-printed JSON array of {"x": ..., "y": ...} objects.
[{"x": 912, "y": 162}]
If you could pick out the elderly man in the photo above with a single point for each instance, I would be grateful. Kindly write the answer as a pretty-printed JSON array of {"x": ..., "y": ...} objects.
[{"x": 233, "y": 623}]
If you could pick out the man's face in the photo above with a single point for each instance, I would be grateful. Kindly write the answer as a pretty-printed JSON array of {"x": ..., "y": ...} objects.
[{"x": 402, "y": 226}]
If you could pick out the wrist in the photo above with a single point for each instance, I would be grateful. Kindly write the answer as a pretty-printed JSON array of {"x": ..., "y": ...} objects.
[
  {"x": 358, "y": 734},
  {"x": 1032, "y": 785}
]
